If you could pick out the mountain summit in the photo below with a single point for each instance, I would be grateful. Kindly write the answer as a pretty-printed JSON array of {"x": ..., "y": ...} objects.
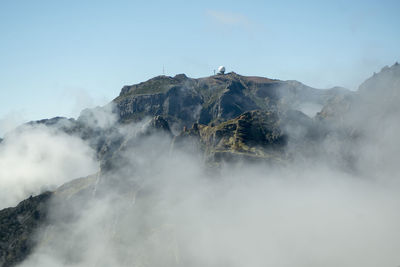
[{"x": 183, "y": 101}]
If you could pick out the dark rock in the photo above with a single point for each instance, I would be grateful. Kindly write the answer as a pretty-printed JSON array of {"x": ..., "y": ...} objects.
[
  {"x": 254, "y": 134},
  {"x": 183, "y": 101},
  {"x": 18, "y": 226},
  {"x": 158, "y": 123}
]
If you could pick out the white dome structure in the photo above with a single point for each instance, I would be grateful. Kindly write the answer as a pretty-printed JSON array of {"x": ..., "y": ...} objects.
[{"x": 221, "y": 70}]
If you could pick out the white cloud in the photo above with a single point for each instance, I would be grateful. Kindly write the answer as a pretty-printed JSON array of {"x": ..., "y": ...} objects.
[
  {"x": 11, "y": 120},
  {"x": 36, "y": 158},
  {"x": 228, "y": 18}
]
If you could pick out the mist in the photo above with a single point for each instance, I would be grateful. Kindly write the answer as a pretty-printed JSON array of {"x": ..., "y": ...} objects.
[
  {"x": 36, "y": 158},
  {"x": 10, "y": 121},
  {"x": 176, "y": 215},
  {"x": 334, "y": 203},
  {"x": 163, "y": 209}
]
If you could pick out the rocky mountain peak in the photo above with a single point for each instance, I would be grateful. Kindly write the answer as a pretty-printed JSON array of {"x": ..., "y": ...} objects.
[
  {"x": 183, "y": 101},
  {"x": 388, "y": 77}
]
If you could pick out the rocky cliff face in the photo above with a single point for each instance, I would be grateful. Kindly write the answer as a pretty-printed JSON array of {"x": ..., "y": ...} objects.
[
  {"x": 254, "y": 135},
  {"x": 183, "y": 101}
]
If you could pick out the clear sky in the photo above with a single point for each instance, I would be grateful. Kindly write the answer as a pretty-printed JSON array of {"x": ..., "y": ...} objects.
[{"x": 58, "y": 57}]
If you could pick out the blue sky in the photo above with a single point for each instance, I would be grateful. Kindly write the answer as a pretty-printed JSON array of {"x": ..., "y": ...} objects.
[{"x": 58, "y": 57}]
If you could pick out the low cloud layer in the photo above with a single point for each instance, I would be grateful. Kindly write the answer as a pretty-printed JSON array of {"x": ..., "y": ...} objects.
[
  {"x": 9, "y": 121},
  {"x": 33, "y": 159},
  {"x": 176, "y": 215},
  {"x": 164, "y": 209}
]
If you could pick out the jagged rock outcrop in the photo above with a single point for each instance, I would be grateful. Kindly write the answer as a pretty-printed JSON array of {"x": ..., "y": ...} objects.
[
  {"x": 254, "y": 135},
  {"x": 157, "y": 124}
]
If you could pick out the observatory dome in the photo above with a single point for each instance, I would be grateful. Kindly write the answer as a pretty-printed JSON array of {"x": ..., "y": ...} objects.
[{"x": 221, "y": 70}]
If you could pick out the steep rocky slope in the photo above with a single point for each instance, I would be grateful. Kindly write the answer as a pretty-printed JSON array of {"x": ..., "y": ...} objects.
[
  {"x": 254, "y": 135},
  {"x": 18, "y": 226}
]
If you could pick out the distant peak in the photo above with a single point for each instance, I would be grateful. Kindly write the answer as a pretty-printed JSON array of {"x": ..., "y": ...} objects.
[{"x": 181, "y": 76}]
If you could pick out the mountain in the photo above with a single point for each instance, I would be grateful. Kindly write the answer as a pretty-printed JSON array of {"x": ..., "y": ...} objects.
[
  {"x": 376, "y": 97},
  {"x": 183, "y": 101},
  {"x": 218, "y": 119}
]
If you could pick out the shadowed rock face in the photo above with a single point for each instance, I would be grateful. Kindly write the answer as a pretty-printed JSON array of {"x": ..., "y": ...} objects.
[
  {"x": 254, "y": 135},
  {"x": 183, "y": 101},
  {"x": 17, "y": 228}
]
